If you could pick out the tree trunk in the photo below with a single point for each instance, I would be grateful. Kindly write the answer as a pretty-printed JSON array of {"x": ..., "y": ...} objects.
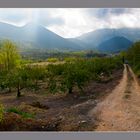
[
  {"x": 36, "y": 83},
  {"x": 18, "y": 93},
  {"x": 123, "y": 59},
  {"x": 70, "y": 90},
  {"x": 9, "y": 90}
]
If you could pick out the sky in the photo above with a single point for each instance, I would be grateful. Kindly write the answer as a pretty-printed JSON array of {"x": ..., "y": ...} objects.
[{"x": 72, "y": 22}]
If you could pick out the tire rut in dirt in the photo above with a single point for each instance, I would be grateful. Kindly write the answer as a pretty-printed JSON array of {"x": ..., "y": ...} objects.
[{"x": 130, "y": 80}]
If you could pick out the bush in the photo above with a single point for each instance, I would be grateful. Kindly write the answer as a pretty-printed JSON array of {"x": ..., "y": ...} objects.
[
  {"x": 70, "y": 59},
  {"x": 53, "y": 60},
  {"x": 133, "y": 56}
]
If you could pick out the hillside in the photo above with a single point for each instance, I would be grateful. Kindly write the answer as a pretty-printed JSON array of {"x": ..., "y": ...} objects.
[
  {"x": 95, "y": 38},
  {"x": 115, "y": 44},
  {"x": 36, "y": 36}
]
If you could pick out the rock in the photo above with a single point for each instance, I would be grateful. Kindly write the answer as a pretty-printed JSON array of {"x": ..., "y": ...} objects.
[
  {"x": 82, "y": 97},
  {"x": 82, "y": 122}
]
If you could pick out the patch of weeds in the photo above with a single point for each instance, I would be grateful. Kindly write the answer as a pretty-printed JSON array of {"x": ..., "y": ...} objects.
[
  {"x": 130, "y": 78},
  {"x": 127, "y": 96},
  {"x": 1, "y": 112},
  {"x": 18, "y": 111}
]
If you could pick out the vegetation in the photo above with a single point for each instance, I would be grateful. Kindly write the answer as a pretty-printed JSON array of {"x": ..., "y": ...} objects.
[
  {"x": 18, "y": 111},
  {"x": 9, "y": 57},
  {"x": 133, "y": 56},
  {"x": 9, "y": 61},
  {"x": 39, "y": 55},
  {"x": 79, "y": 71},
  {"x": 52, "y": 59},
  {"x": 18, "y": 74},
  {"x": 1, "y": 112}
]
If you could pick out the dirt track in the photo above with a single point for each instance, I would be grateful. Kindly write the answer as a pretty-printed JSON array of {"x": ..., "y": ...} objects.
[{"x": 120, "y": 111}]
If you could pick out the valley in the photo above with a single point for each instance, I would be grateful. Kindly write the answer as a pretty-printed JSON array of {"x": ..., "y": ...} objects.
[{"x": 64, "y": 72}]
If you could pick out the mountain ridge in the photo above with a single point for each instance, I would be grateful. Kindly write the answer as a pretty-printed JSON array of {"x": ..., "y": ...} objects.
[
  {"x": 38, "y": 36},
  {"x": 115, "y": 45}
]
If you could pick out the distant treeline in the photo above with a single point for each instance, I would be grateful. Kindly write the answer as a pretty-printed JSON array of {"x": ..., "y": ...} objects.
[{"x": 39, "y": 54}]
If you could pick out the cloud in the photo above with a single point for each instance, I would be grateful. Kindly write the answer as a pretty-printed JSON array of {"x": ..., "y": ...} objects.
[
  {"x": 127, "y": 18},
  {"x": 51, "y": 21},
  {"x": 79, "y": 21},
  {"x": 23, "y": 16},
  {"x": 113, "y": 17},
  {"x": 106, "y": 12},
  {"x": 75, "y": 22},
  {"x": 15, "y": 16},
  {"x": 72, "y": 22},
  {"x": 48, "y": 19}
]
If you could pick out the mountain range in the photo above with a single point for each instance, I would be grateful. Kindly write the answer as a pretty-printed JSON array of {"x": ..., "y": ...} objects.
[
  {"x": 37, "y": 36},
  {"x": 96, "y": 38}
]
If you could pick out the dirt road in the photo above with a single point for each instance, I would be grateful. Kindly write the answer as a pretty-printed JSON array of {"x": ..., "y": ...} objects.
[{"x": 120, "y": 111}]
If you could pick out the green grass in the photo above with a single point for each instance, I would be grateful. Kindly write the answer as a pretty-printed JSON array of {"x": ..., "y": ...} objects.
[{"x": 18, "y": 111}]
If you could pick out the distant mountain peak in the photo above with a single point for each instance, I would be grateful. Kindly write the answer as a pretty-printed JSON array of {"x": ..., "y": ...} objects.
[{"x": 115, "y": 44}]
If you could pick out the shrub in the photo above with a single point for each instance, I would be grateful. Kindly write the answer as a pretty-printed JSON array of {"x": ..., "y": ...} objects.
[
  {"x": 53, "y": 60},
  {"x": 70, "y": 59}
]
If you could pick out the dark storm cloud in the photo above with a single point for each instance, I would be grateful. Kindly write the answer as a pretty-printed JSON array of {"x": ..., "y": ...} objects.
[
  {"x": 106, "y": 12},
  {"x": 118, "y": 11}
]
